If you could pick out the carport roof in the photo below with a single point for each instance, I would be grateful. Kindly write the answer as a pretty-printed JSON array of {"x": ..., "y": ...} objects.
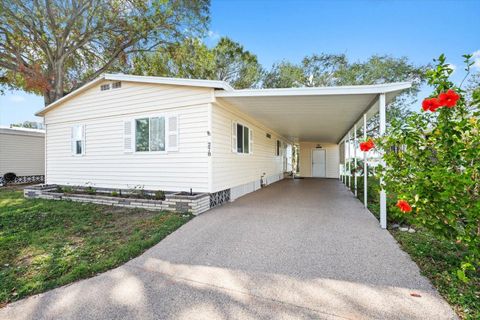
[{"x": 323, "y": 114}]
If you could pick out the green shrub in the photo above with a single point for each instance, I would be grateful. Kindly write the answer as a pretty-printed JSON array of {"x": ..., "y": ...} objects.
[
  {"x": 159, "y": 195},
  {"x": 436, "y": 169}
]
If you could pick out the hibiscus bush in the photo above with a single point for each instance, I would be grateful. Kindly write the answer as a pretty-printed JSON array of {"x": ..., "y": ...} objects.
[{"x": 432, "y": 164}]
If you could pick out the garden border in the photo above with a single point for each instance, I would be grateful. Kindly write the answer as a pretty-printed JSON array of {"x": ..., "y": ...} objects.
[{"x": 177, "y": 202}]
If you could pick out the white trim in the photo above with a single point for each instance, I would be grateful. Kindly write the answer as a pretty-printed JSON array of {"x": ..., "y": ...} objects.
[
  {"x": 355, "y": 158},
  {"x": 134, "y": 124},
  {"x": 340, "y": 90},
  {"x": 209, "y": 142},
  {"x": 215, "y": 84},
  {"x": 383, "y": 196},
  {"x": 236, "y": 123},
  {"x": 365, "y": 165}
]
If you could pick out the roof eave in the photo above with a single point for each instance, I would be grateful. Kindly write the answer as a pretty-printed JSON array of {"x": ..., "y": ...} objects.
[{"x": 315, "y": 91}]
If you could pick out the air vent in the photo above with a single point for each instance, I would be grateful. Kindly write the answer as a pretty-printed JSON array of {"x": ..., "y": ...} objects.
[
  {"x": 269, "y": 136},
  {"x": 104, "y": 87},
  {"x": 116, "y": 85}
]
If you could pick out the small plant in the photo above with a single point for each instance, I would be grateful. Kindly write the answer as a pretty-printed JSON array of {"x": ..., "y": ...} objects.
[
  {"x": 159, "y": 195},
  {"x": 66, "y": 189},
  {"x": 138, "y": 191},
  {"x": 114, "y": 194},
  {"x": 90, "y": 190}
]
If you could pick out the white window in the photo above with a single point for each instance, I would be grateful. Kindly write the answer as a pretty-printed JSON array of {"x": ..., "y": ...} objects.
[
  {"x": 242, "y": 139},
  {"x": 116, "y": 85},
  {"x": 104, "y": 87},
  {"x": 150, "y": 134},
  {"x": 78, "y": 139}
]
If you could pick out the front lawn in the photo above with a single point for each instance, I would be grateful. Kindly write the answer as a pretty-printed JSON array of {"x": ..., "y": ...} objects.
[{"x": 48, "y": 243}]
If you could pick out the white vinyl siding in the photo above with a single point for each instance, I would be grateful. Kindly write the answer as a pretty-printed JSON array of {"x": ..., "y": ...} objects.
[
  {"x": 110, "y": 160},
  {"x": 230, "y": 169},
  {"x": 331, "y": 157},
  {"x": 23, "y": 154}
]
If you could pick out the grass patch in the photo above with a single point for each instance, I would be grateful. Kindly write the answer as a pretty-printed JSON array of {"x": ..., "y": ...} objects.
[
  {"x": 46, "y": 243},
  {"x": 437, "y": 258}
]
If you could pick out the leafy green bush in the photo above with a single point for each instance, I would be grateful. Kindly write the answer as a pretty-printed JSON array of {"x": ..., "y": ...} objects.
[
  {"x": 159, "y": 195},
  {"x": 435, "y": 167}
]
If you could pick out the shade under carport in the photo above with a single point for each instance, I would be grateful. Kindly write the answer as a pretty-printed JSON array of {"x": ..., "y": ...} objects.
[{"x": 311, "y": 114}]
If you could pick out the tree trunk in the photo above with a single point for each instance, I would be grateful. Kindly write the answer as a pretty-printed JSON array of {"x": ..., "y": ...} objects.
[{"x": 56, "y": 89}]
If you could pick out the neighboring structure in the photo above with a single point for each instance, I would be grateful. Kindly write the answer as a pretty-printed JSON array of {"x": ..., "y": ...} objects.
[
  {"x": 22, "y": 151},
  {"x": 170, "y": 134}
]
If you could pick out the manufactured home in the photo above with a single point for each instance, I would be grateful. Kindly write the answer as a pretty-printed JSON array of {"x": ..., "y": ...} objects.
[
  {"x": 22, "y": 152},
  {"x": 121, "y": 131}
]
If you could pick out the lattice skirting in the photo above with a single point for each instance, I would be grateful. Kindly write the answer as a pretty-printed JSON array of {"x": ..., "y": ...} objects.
[
  {"x": 220, "y": 197},
  {"x": 25, "y": 179}
]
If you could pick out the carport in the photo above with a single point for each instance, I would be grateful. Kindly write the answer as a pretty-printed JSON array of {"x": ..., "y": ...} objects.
[{"x": 324, "y": 115}]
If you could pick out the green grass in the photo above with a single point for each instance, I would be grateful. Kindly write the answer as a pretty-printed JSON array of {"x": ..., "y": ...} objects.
[
  {"x": 48, "y": 243},
  {"x": 437, "y": 258}
]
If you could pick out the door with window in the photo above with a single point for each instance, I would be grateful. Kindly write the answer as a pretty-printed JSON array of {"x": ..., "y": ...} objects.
[{"x": 318, "y": 163}]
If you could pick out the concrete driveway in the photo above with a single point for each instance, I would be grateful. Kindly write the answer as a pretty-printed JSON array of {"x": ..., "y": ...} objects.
[{"x": 298, "y": 249}]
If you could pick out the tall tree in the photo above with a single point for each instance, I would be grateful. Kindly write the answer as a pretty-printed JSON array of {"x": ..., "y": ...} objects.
[
  {"x": 51, "y": 47},
  {"x": 227, "y": 60}
]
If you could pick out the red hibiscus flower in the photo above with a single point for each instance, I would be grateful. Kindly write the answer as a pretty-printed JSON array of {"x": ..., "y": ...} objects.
[
  {"x": 367, "y": 145},
  {"x": 448, "y": 99},
  {"x": 404, "y": 206},
  {"x": 431, "y": 104}
]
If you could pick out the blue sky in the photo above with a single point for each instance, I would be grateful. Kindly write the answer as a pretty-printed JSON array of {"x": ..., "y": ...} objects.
[{"x": 277, "y": 30}]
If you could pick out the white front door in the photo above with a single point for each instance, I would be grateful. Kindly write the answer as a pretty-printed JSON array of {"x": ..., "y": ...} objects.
[{"x": 318, "y": 163}]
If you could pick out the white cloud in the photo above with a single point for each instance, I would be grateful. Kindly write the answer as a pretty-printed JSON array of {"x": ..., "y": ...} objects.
[
  {"x": 476, "y": 59},
  {"x": 213, "y": 35},
  {"x": 17, "y": 99},
  {"x": 453, "y": 67}
]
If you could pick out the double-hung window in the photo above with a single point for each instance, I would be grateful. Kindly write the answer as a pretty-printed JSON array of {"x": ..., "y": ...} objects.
[
  {"x": 242, "y": 139},
  {"x": 78, "y": 139},
  {"x": 150, "y": 134}
]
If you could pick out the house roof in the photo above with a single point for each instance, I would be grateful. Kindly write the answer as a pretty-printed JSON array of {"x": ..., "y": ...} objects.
[
  {"x": 21, "y": 131},
  {"x": 214, "y": 84},
  {"x": 323, "y": 114}
]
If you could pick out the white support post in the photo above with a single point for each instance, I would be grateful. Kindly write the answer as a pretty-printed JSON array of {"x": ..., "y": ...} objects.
[
  {"x": 383, "y": 127},
  {"x": 355, "y": 158},
  {"x": 348, "y": 159},
  {"x": 365, "y": 167}
]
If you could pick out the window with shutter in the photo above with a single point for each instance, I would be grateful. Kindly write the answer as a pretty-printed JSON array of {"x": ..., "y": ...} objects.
[{"x": 78, "y": 139}]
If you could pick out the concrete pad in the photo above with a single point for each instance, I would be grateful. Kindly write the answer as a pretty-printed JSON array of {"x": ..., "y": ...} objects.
[{"x": 298, "y": 249}]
